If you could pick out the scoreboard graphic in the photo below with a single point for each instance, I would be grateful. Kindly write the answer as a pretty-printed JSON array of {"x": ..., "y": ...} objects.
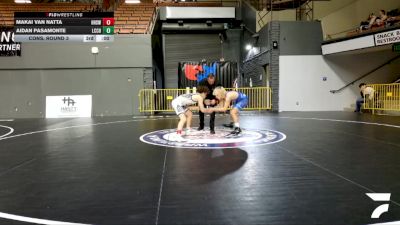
[{"x": 64, "y": 26}]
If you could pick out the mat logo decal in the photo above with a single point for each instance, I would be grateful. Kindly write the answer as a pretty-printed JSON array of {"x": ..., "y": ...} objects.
[
  {"x": 379, "y": 197},
  {"x": 204, "y": 140}
]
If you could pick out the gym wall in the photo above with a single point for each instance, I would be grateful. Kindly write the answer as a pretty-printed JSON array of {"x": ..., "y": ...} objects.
[
  {"x": 113, "y": 77},
  {"x": 303, "y": 86}
]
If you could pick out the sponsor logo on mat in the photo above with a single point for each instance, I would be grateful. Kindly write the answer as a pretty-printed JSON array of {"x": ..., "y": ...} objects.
[
  {"x": 221, "y": 139},
  {"x": 379, "y": 197}
]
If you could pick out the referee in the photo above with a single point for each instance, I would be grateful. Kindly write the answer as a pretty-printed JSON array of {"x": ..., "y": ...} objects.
[{"x": 209, "y": 101}]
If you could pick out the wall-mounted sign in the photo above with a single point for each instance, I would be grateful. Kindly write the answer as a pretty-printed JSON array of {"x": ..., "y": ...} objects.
[
  {"x": 68, "y": 106},
  {"x": 389, "y": 37},
  {"x": 8, "y": 47}
]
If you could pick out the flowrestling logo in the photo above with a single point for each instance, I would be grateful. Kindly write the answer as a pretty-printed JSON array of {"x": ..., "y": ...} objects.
[
  {"x": 204, "y": 140},
  {"x": 379, "y": 197}
]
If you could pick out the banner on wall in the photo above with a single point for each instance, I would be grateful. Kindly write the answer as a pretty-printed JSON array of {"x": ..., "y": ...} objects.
[
  {"x": 389, "y": 37},
  {"x": 68, "y": 106},
  {"x": 8, "y": 47},
  {"x": 191, "y": 73}
]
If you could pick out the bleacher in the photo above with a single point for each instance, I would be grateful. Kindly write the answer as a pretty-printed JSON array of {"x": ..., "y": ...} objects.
[
  {"x": 393, "y": 20},
  {"x": 368, "y": 34},
  {"x": 138, "y": 18},
  {"x": 193, "y": 4},
  {"x": 133, "y": 19},
  {"x": 129, "y": 18}
]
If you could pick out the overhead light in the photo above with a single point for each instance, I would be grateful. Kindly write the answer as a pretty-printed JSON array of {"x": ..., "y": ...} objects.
[
  {"x": 132, "y": 1},
  {"x": 22, "y": 1},
  {"x": 209, "y": 23},
  {"x": 274, "y": 44},
  {"x": 249, "y": 47}
]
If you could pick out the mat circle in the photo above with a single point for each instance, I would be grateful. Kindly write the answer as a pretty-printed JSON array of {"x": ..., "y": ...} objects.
[{"x": 204, "y": 140}]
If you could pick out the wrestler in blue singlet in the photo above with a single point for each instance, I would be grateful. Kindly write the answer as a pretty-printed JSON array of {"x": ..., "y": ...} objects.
[{"x": 241, "y": 101}]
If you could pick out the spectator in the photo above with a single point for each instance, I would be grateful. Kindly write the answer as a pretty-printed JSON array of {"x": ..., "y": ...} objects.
[
  {"x": 366, "y": 92},
  {"x": 381, "y": 20},
  {"x": 366, "y": 25},
  {"x": 393, "y": 17},
  {"x": 371, "y": 20}
]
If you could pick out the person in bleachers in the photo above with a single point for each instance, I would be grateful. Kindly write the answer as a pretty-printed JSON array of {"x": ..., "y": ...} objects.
[
  {"x": 381, "y": 20},
  {"x": 366, "y": 25},
  {"x": 372, "y": 20},
  {"x": 366, "y": 92},
  {"x": 393, "y": 17}
]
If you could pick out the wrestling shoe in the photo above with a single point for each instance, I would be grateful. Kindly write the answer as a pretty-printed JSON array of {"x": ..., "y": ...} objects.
[
  {"x": 230, "y": 125},
  {"x": 188, "y": 132},
  {"x": 236, "y": 131},
  {"x": 177, "y": 138}
]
